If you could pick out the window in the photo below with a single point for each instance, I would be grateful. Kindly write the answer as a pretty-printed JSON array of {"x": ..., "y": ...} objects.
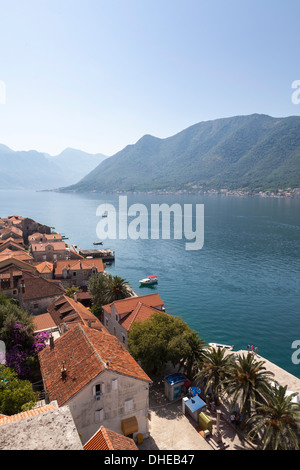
[
  {"x": 128, "y": 405},
  {"x": 35, "y": 306},
  {"x": 123, "y": 338},
  {"x": 114, "y": 384},
  {"x": 99, "y": 415},
  {"x": 98, "y": 390}
]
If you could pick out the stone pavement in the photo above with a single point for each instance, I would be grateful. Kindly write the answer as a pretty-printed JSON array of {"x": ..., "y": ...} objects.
[{"x": 171, "y": 430}]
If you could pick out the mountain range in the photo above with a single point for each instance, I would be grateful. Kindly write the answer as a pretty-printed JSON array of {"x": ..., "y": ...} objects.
[
  {"x": 241, "y": 152},
  {"x": 36, "y": 170}
]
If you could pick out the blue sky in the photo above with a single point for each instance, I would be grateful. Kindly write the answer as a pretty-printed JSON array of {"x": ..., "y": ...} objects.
[{"x": 98, "y": 75}]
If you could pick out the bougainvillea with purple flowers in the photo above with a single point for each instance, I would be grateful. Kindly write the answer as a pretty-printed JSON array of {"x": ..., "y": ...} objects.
[{"x": 21, "y": 344}]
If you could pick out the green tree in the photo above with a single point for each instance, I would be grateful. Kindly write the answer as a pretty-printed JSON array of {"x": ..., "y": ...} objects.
[
  {"x": 213, "y": 369},
  {"x": 97, "y": 287},
  {"x": 277, "y": 421},
  {"x": 161, "y": 339},
  {"x": 116, "y": 288},
  {"x": 188, "y": 349},
  {"x": 72, "y": 290},
  {"x": 16, "y": 395},
  {"x": 107, "y": 288},
  {"x": 247, "y": 384}
]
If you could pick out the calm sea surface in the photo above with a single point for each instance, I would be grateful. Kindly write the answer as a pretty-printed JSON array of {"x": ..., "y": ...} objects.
[{"x": 241, "y": 287}]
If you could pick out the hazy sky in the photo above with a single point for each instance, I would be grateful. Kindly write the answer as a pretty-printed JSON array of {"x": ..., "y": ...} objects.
[{"x": 99, "y": 74}]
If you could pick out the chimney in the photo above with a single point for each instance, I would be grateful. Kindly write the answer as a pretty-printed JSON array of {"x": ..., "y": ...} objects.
[
  {"x": 75, "y": 296},
  {"x": 51, "y": 342},
  {"x": 63, "y": 371}
]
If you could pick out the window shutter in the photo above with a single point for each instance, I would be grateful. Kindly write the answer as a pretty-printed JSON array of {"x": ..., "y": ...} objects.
[
  {"x": 128, "y": 405},
  {"x": 99, "y": 415},
  {"x": 114, "y": 384}
]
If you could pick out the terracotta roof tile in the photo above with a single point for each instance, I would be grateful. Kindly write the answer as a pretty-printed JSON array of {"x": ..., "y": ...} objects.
[
  {"x": 22, "y": 255},
  {"x": 12, "y": 242},
  {"x": 105, "y": 439},
  {"x": 40, "y": 247},
  {"x": 140, "y": 313},
  {"x": 47, "y": 236},
  {"x": 78, "y": 265},
  {"x": 66, "y": 309},
  {"x": 37, "y": 287},
  {"x": 129, "y": 304},
  {"x": 45, "y": 267},
  {"x": 43, "y": 322},
  {"x": 85, "y": 353}
]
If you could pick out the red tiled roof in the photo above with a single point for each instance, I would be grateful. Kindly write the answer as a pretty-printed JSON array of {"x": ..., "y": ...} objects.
[
  {"x": 14, "y": 242},
  {"x": 21, "y": 255},
  {"x": 45, "y": 267},
  {"x": 129, "y": 304},
  {"x": 74, "y": 311},
  {"x": 105, "y": 439},
  {"x": 85, "y": 353},
  {"x": 47, "y": 236},
  {"x": 40, "y": 247},
  {"x": 140, "y": 313},
  {"x": 10, "y": 264},
  {"x": 78, "y": 265},
  {"x": 43, "y": 322},
  {"x": 12, "y": 229},
  {"x": 37, "y": 287}
]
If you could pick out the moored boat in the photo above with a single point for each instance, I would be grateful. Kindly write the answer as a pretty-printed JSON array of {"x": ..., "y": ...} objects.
[
  {"x": 218, "y": 345},
  {"x": 152, "y": 279}
]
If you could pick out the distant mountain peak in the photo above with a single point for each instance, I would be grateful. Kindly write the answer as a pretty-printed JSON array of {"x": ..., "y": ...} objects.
[
  {"x": 248, "y": 151},
  {"x": 36, "y": 170}
]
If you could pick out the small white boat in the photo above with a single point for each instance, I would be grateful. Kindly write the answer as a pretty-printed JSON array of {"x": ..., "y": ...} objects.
[
  {"x": 152, "y": 279},
  {"x": 218, "y": 345},
  {"x": 98, "y": 243}
]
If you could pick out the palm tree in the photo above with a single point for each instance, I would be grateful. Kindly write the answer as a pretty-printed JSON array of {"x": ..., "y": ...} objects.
[
  {"x": 277, "y": 421},
  {"x": 116, "y": 288},
  {"x": 213, "y": 369},
  {"x": 248, "y": 383},
  {"x": 192, "y": 353}
]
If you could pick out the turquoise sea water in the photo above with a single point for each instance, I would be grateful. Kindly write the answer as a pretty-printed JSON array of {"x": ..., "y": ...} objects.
[{"x": 241, "y": 287}]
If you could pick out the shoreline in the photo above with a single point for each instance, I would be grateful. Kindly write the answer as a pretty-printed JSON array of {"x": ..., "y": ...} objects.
[
  {"x": 282, "y": 376},
  {"x": 279, "y": 194}
]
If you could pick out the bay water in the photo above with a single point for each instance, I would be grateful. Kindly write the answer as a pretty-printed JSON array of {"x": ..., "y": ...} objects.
[{"x": 241, "y": 288}]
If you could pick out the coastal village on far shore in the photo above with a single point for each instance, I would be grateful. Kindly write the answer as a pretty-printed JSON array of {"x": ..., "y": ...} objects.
[
  {"x": 93, "y": 395},
  {"x": 196, "y": 189}
]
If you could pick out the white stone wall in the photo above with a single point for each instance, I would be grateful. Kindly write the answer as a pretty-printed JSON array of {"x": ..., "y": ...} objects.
[
  {"x": 114, "y": 403},
  {"x": 111, "y": 323}
]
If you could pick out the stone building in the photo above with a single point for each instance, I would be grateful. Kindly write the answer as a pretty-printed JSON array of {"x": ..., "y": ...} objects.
[{"x": 92, "y": 372}]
